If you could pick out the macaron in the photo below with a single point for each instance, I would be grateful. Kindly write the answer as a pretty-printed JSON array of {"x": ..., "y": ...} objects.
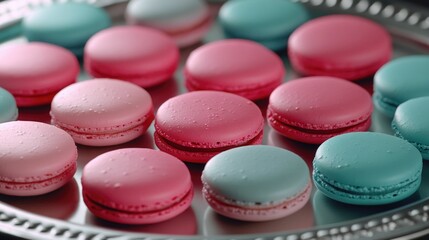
[
  {"x": 8, "y": 108},
  {"x": 140, "y": 55},
  {"x": 57, "y": 24},
  {"x": 35, "y": 72},
  {"x": 268, "y": 22},
  {"x": 313, "y": 109},
  {"x": 186, "y": 21},
  {"x": 196, "y": 126},
  {"x": 367, "y": 168},
  {"x": 400, "y": 80},
  {"x": 256, "y": 183},
  {"x": 343, "y": 46},
  {"x": 35, "y": 158},
  {"x": 242, "y": 67},
  {"x": 410, "y": 122},
  {"x": 102, "y": 112},
  {"x": 136, "y": 186}
]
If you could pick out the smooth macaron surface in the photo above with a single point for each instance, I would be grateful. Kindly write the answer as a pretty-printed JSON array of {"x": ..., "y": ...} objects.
[
  {"x": 400, "y": 80},
  {"x": 136, "y": 186},
  {"x": 238, "y": 66},
  {"x": 313, "y": 109},
  {"x": 8, "y": 108},
  {"x": 344, "y": 46},
  {"x": 136, "y": 54},
  {"x": 256, "y": 183},
  {"x": 57, "y": 24},
  {"x": 410, "y": 122},
  {"x": 185, "y": 21},
  {"x": 102, "y": 112},
  {"x": 197, "y": 125},
  {"x": 268, "y": 22},
  {"x": 35, "y": 158},
  {"x": 35, "y": 72},
  {"x": 367, "y": 168}
]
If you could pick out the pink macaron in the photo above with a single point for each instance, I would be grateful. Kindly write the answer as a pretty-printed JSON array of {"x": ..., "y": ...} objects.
[
  {"x": 35, "y": 158},
  {"x": 243, "y": 67},
  {"x": 343, "y": 46},
  {"x": 102, "y": 112},
  {"x": 35, "y": 72},
  {"x": 140, "y": 55},
  {"x": 314, "y": 109},
  {"x": 196, "y": 126},
  {"x": 136, "y": 186}
]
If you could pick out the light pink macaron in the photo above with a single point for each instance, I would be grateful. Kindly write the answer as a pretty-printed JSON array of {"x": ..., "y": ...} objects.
[
  {"x": 343, "y": 46},
  {"x": 102, "y": 112},
  {"x": 35, "y": 158},
  {"x": 35, "y": 72},
  {"x": 136, "y": 186},
  {"x": 243, "y": 67},
  {"x": 196, "y": 126},
  {"x": 140, "y": 55}
]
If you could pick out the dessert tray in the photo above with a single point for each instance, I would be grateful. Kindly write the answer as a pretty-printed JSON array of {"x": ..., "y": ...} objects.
[{"x": 63, "y": 215}]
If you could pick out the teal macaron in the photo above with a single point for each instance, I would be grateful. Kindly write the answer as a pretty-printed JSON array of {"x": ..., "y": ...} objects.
[
  {"x": 367, "y": 168},
  {"x": 269, "y": 22},
  {"x": 69, "y": 24},
  {"x": 400, "y": 80},
  {"x": 256, "y": 183},
  {"x": 8, "y": 108},
  {"x": 411, "y": 123}
]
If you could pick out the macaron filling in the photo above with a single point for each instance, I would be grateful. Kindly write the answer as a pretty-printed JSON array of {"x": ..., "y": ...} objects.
[
  {"x": 367, "y": 193},
  {"x": 135, "y": 127},
  {"x": 384, "y": 104}
]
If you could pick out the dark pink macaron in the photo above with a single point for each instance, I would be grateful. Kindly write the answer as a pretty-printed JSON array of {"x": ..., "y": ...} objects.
[
  {"x": 314, "y": 109},
  {"x": 343, "y": 46}
]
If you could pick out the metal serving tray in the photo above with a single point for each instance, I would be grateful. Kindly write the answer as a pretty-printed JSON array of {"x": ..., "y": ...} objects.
[{"x": 63, "y": 215}]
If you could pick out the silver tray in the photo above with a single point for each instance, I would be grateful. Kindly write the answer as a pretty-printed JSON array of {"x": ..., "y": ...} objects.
[{"x": 63, "y": 215}]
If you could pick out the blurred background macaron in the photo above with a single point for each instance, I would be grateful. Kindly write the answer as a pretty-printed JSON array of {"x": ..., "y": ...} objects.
[
  {"x": 8, "y": 108},
  {"x": 68, "y": 24}
]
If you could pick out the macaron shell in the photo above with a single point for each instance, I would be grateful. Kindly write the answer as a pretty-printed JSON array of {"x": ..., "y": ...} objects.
[
  {"x": 140, "y": 181},
  {"x": 262, "y": 20},
  {"x": 58, "y": 24},
  {"x": 33, "y": 152},
  {"x": 36, "y": 69},
  {"x": 400, "y": 80},
  {"x": 8, "y": 108},
  {"x": 388, "y": 163},
  {"x": 222, "y": 119},
  {"x": 138, "y": 54},
  {"x": 358, "y": 49},
  {"x": 237, "y": 66},
  {"x": 410, "y": 123}
]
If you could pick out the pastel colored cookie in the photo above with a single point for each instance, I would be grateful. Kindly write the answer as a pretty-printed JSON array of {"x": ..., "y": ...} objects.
[
  {"x": 268, "y": 22},
  {"x": 35, "y": 158},
  {"x": 35, "y": 72},
  {"x": 410, "y": 122},
  {"x": 196, "y": 126},
  {"x": 8, "y": 109},
  {"x": 343, "y": 46},
  {"x": 238, "y": 66},
  {"x": 58, "y": 24},
  {"x": 140, "y": 55},
  {"x": 256, "y": 183},
  {"x": 102, "y": 112},
  {"x": 314, "y": 109},
  {"x": 367, "y": 168},
  {"x": 186, "y": 21},
  {"x": 400, "y": 80},
  {"x": 136, "y": 186}
]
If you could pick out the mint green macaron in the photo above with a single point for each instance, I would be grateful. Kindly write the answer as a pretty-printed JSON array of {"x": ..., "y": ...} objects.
[
  {"x": 69, "y": 24},
  {"x": 411, "y": 122},
  {"x": 8, "y": 108},
  {"x": 367, "y": 168}
]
